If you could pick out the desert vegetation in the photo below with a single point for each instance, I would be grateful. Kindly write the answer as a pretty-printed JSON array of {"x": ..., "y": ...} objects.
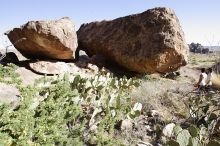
[
  {"x": 66, "y": 112},
  {"x": 106, "y": 110},
  {"x": 70, "y": 87}
]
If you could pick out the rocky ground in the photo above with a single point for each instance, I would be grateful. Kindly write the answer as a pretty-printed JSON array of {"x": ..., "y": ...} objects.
[{"x": 160, "y": 95}]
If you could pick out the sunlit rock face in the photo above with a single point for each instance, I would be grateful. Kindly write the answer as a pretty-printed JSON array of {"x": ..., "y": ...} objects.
[
  {"x": 149, "y": 42},
  {"x": 55, "y": 39}
]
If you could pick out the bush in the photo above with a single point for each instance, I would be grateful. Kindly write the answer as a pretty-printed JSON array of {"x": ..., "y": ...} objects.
[{"x": 64, "y": 112}]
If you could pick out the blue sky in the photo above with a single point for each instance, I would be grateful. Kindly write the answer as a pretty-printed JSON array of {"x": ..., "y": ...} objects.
[{"x": 200, "y": 19}]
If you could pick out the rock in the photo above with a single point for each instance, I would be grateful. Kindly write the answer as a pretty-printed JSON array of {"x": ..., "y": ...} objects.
[
  {"x": 47, "y": 67},
  {"x": 168, "y": 130},
  {"x": 58, "y": 67},
  {"x": 171, "y": 75},
  {"x": 137, "y": 107},
  {"x": 9, "y": 94},
  {"x": 10, "y": 57},
  {"x": 82, "y": 64},
  {"x": 153, "y": 113},
  {"x": 149, "y": 42},
  {"x": 55, "y": 39},
  {"x": 98, "y": 60},
  {"x": 126, "y": 125},
  {"x": 92, "y": 67},
  {"x": 28, "y": 77},
  {"x": 83, "y": 60}
]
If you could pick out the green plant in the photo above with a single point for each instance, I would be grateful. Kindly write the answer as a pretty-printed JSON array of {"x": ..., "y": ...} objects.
[
  {"x": 9, "y": 75},
  {"x": 192, "y": 136},
  {"x": 63, "y": 111},
  {"x": 204, "y": 129}
]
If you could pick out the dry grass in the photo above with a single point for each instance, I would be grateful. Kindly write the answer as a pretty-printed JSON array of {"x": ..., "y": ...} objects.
[
  {"x": 203, "y": 60},
  {"x": 216, "y": 81},
  {"x": 161, "y": 95},
  {"x": 166, "y": 96}
]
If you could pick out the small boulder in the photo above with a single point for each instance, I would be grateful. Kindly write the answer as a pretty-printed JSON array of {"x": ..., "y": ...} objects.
[
  {"x": 10, "y": 57},
  {"x": 49, "y": 67},
  {"x": 168, "y": 130},
  {"x": 126, "y": 125},
  {"x": 55, "y": 39},
  {"x": 57, "y": 67}
]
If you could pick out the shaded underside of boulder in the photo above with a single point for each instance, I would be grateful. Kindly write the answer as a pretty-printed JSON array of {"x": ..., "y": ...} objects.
[
  {"x": 149, "y": 42},
  {"x": 54, "y": 39}
]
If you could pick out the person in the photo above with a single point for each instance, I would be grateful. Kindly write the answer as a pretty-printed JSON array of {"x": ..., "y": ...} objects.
[
  {"x": 209, "y": 79},
  {"x": 202, "y": 80}
]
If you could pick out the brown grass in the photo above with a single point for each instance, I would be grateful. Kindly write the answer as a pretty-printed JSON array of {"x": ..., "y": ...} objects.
[
  {"x": 161, "y": 95},
  {"x": 203, "y": 60},
  {"x": 216, "y": 81}
]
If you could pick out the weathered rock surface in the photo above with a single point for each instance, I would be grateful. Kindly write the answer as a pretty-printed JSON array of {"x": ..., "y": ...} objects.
[
  {"x": 149, "y": 42},
  {"x": 168, "y": 130},
  {"x": 58, "y": 67},
  {"x": 47, "y": 67},
  {"x": 126, "y": 125},
  {"x": 9, "y": 94},
  {"x": 55, "y": 39}
]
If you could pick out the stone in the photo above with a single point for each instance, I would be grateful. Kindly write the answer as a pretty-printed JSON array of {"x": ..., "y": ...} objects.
[
  {"x": 54, "y": 39},
  {"x": 137, "y": 107},
  {"x": 93, "y": 67},
  {"x": 153, "y": 113},
  {"x": 27, "y": 76},
  {"x": 126, "y": 125},
  {"x": 149, "y": 42},
  {"x": 168, "y": 130},
  {"x": 9, "y": 94},
  {"x": 10, "y": 57},
  {"x": 49, "y": 67},
  {"x": 98, "y": 60}
]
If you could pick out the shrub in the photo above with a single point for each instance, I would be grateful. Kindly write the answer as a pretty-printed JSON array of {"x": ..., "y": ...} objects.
[{"x": 63, "y": 111}]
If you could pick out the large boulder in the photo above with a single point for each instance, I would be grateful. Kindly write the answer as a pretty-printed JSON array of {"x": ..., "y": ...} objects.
[
  {"x": 55, "y": 39},
  {"x": 149, "y": 42}
]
